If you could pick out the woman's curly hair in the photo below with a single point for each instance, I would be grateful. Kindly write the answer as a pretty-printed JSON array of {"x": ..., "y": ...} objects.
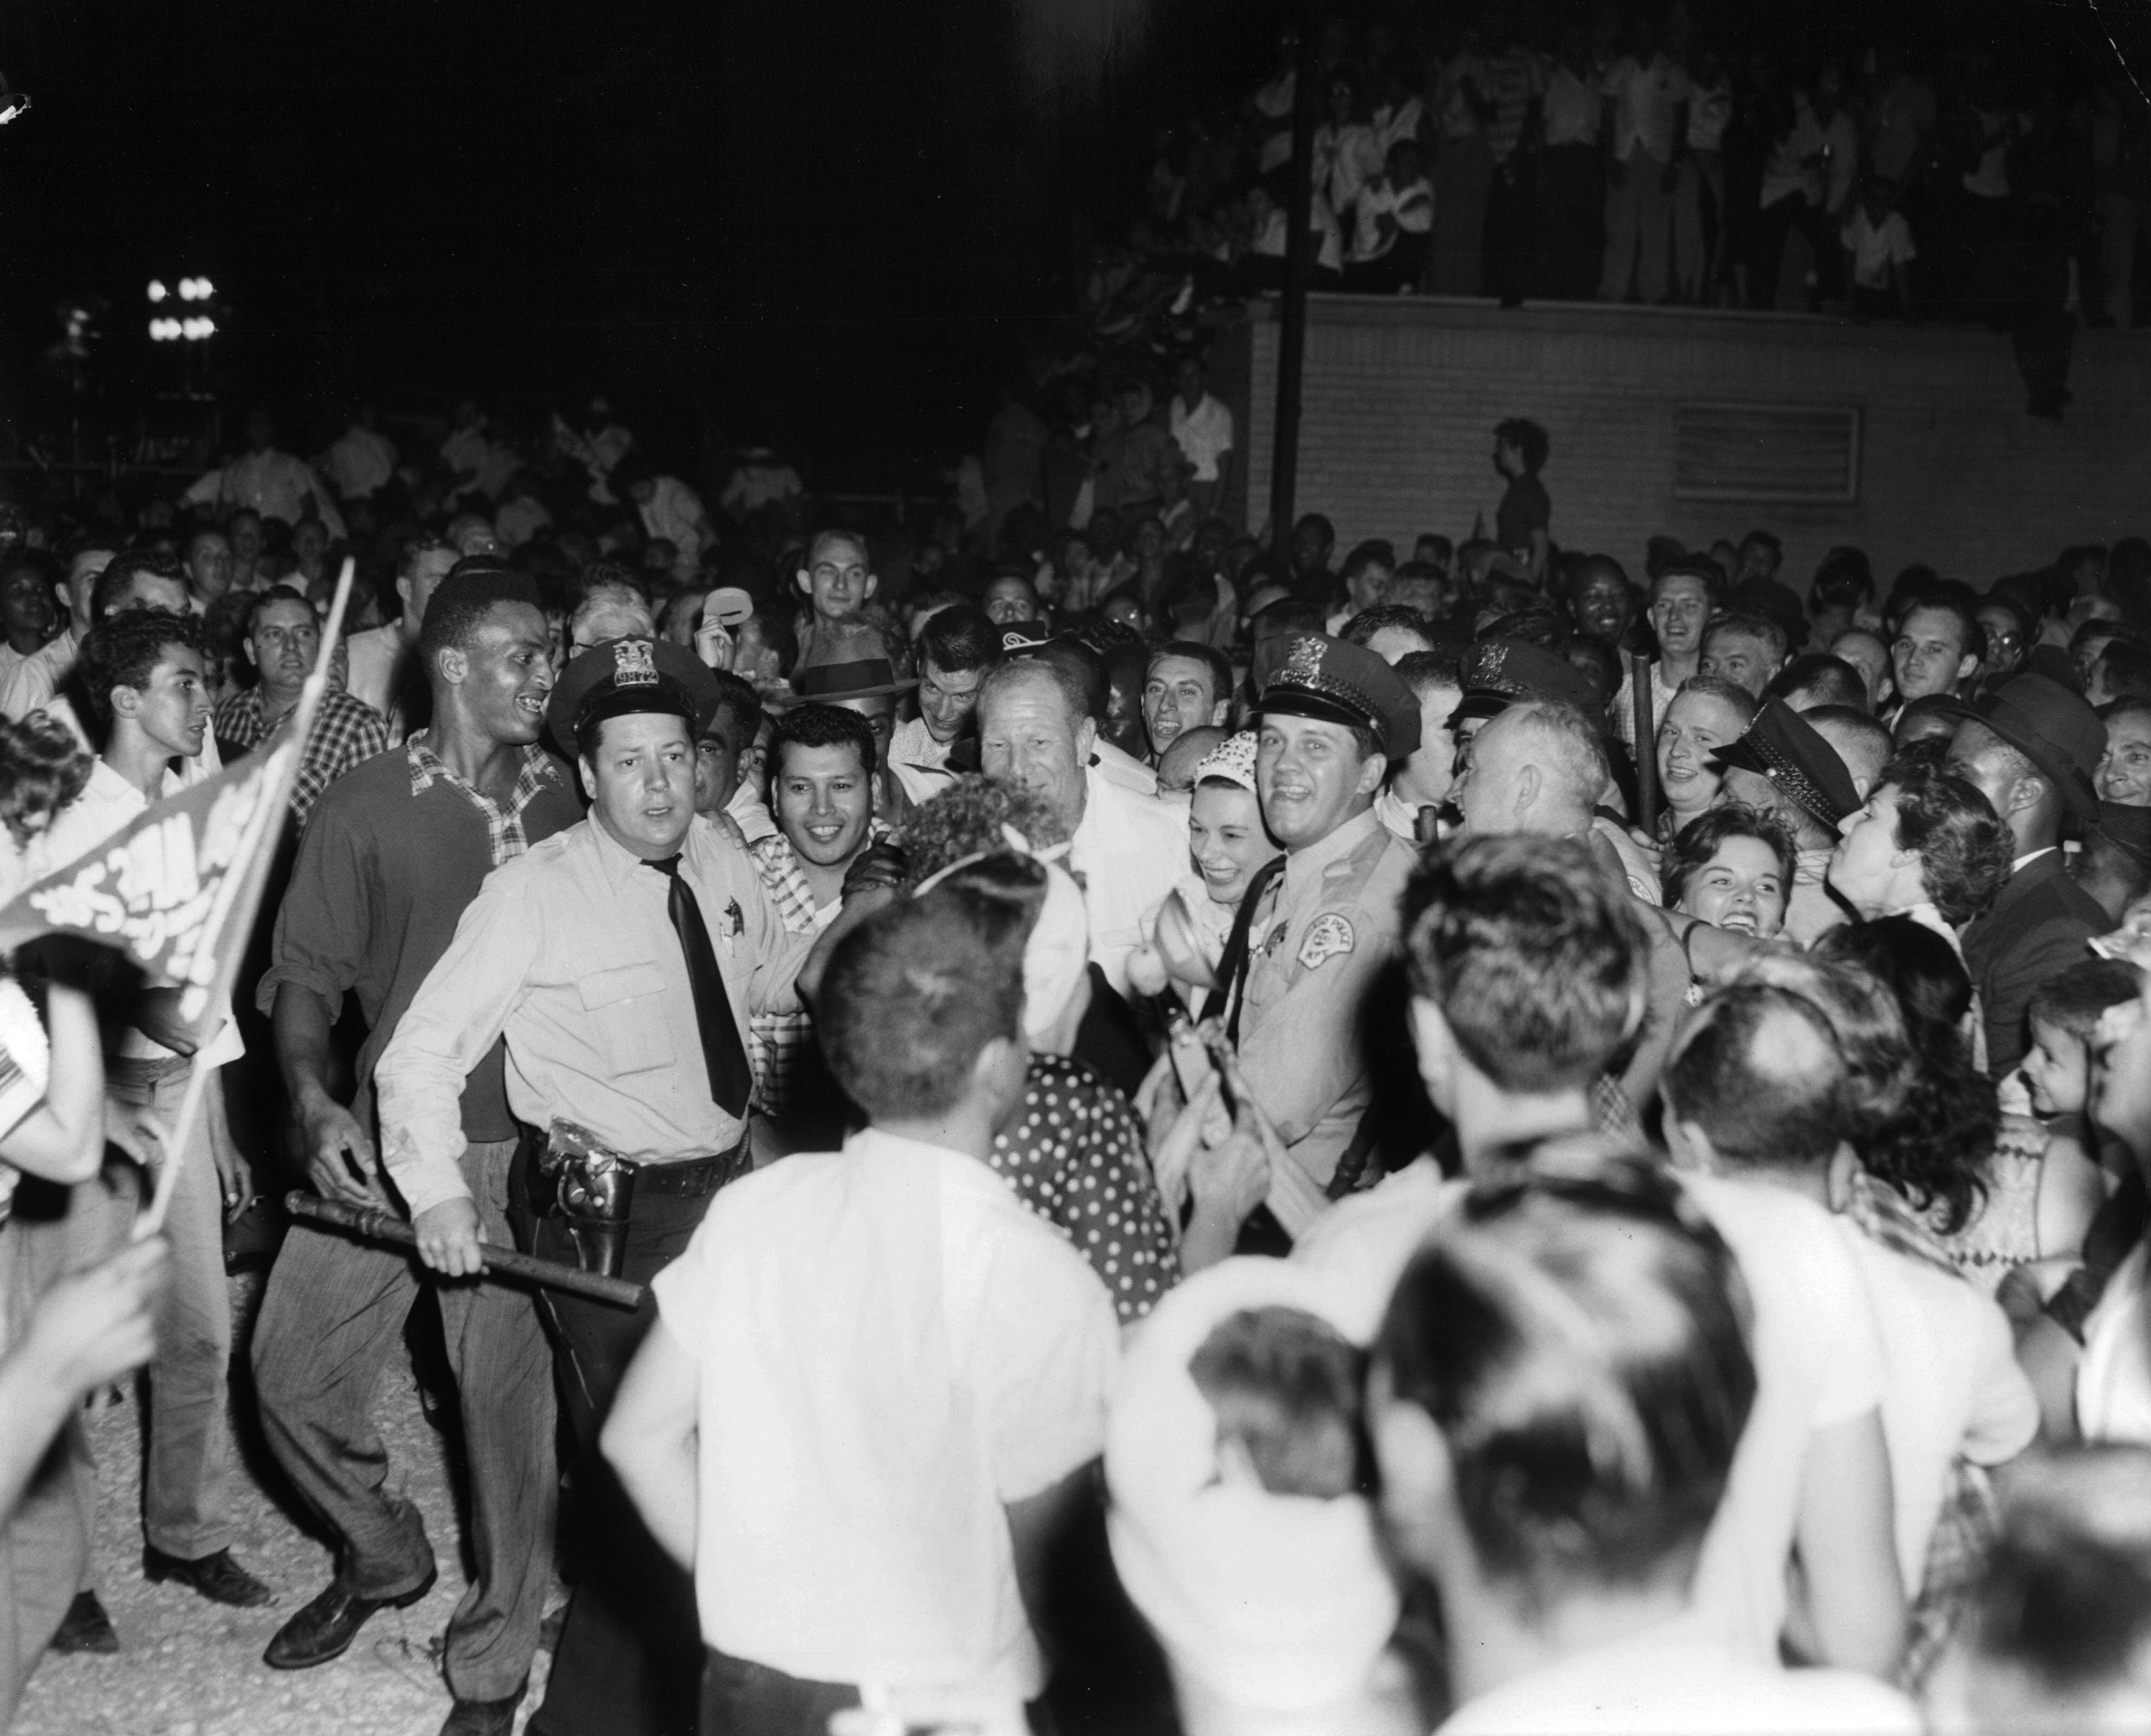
[
  {"x": 1936, "y": 1148},
  {"x": 966, "y": 819},
  {"x": 43, "y": 769}
]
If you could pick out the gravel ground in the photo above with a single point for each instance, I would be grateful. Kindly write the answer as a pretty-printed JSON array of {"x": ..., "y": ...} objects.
[{"x": 190, "y": 1668}]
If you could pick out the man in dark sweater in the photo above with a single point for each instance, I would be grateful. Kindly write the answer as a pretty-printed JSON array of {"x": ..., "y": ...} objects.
[{"x": 2031, "y": 751}]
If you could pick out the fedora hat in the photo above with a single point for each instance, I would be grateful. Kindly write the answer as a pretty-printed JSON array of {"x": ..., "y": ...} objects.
[{"x": 2054, "y": 729}]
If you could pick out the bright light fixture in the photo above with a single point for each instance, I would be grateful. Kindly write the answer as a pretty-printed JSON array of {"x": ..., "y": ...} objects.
[{"x": 158, "y": 292}]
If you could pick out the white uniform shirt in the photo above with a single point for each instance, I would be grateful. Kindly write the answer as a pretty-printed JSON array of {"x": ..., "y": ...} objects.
[{"x": 890, "y": 1350}]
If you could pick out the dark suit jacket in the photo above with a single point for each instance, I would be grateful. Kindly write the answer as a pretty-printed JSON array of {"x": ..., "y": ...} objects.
[{"x": 2037, "y": 927}]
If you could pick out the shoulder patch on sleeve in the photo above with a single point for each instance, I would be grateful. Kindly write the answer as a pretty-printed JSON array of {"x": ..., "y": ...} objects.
[{"x": 1329, "y": 936}]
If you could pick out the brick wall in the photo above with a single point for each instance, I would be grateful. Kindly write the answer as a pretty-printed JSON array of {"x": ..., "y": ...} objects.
[{"x": 1400, "y": 398}]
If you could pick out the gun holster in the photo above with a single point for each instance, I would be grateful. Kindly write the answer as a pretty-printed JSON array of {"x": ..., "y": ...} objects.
[
  {"x": 595, "y": 1203},
  {"x": 591, "y": 1190}
]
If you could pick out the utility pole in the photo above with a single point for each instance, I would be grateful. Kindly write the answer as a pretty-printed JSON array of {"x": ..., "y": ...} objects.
[{"x": 1298, "y": 267}]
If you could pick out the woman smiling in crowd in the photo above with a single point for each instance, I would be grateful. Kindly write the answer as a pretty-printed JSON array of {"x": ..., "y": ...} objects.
[{"x": 1733, "y": 867}]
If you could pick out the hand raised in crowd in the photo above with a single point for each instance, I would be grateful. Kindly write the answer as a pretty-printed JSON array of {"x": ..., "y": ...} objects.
[
  {"x": 339, "y": 1158},
  {"x": 714, "y": 643},
  {"x": 449, "y": 1238}
]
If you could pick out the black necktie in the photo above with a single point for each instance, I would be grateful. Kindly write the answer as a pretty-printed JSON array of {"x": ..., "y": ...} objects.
[{"x": 731, "y": 1080}]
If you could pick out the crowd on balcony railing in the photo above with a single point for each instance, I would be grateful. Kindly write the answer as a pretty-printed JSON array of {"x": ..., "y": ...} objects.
[{"x": 1633, "y": 156}]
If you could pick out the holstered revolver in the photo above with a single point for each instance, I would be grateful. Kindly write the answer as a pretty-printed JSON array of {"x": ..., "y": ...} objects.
[{"x": 594, "y": 1194}]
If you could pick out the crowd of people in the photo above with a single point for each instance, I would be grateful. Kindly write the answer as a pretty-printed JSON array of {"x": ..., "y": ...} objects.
[
  {"x": 1211, "y": 1140},
  {"x": 1621, "y": 155}
]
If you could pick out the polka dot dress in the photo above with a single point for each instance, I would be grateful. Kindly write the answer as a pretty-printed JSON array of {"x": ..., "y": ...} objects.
[{"x": 1077, "y": 1159}]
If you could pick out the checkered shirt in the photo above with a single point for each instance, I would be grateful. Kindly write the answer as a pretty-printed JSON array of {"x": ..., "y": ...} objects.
[
  {"x": 346, "y": 732},
  {"x": 789, "y": 1074},
  {"x": 504, "y": 836}
]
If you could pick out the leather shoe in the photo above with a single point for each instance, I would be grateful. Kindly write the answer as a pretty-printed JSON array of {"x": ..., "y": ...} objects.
[
  {"x": 483, "y": 1718},
  {"x": 217, "y": 1577},
  {"x": 86, "y": 1627},
  {"x": 326, "y": 1627}
]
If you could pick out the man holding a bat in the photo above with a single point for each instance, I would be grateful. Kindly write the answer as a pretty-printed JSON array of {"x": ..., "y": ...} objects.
[{"x": 394, "y": 852}]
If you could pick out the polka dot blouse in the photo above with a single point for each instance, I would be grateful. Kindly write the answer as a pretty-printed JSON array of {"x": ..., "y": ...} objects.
[{"x": 1075, "y": 1157}]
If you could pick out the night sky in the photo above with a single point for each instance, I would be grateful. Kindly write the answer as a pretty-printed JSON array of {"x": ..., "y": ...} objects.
[
  {"x": 817, "y": 223},
  {"x": 823, "y": 223}
]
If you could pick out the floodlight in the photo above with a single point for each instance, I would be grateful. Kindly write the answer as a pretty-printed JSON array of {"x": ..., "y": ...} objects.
[{"x": 158, "y": 292}]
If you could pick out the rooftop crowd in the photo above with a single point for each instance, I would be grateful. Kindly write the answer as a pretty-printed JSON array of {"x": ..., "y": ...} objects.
[
  {"x": 1517, "y": 1139},
  {"x": 1617, "y": 154}
]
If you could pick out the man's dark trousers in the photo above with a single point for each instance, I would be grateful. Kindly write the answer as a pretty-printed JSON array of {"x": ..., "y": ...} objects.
[{"x": 333, "y": 1312}]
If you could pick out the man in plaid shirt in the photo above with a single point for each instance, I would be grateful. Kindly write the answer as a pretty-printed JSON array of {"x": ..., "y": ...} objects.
[{"x": 283, "y": 637}]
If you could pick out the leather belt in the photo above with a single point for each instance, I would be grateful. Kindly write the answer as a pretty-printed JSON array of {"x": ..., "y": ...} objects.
[{"x": 688, "y": 1179}]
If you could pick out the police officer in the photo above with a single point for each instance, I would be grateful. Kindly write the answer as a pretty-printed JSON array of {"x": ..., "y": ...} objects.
[
  {"x": 1333, "y": 718},
  {"x": 620, "y": 959}
]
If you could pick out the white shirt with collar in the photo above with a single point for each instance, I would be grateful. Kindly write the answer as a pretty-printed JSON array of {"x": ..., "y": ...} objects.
[
  {"x": 106, "y": 803},
  {"x": 920, "y": 763},
  {"x": 1129, "y": 850},
  {"x": 31, "y": 683},
  {"x": 890, "y": 1350}
]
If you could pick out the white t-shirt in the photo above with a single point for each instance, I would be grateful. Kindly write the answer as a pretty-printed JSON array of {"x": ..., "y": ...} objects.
[
  {"x": 1818, "y": 1364},
  {"x": 1365, "y": 1240},
  {"x": 1205, "y": 432},
  {"x": 890, "y": 1349},
  {"x": 1672, "y": 1682},
  {"x": 1645, "y": 98},
  {"x": 1876, "y": 247},
  {"x": 374, "y": 672},
  {"x": 1952, "y": 1385}
]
